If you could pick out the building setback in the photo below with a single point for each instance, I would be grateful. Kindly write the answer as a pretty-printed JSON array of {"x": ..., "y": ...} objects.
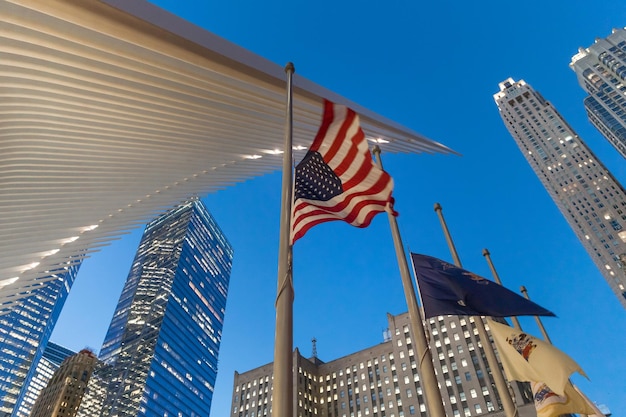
[
  {"x": 382, "y": 381},
  {"x": 53, "y": 357},
  {"x": 63, "y": 394},
  {"x": 160, "y": 352},
  {"x": 601, "y": 72},
  {"x": 24, "y": 334},
  {"x": 592, "y": 201}
]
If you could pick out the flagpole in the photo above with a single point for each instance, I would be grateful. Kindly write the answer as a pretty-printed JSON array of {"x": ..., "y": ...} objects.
[
  {"x": 487, "y": 256},
  {"x": 510, "y": 409},
  {"x": 430, "y": 387},
  {"x": 539, "y": 323},
  {"x": 282, "y": 401}
]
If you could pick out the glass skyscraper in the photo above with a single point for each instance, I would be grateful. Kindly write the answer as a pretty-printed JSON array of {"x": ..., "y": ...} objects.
[
  {"x": 601, "y": 72},
  {"x": 592, "y": 201},
  {"x": 162, "y": 344},
  {"x": 24, "y": 334}
]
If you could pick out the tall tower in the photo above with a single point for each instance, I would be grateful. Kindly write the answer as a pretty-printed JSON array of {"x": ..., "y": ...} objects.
[
  {"x": 601, "y": 72},
  {"x": 24, "y": 334},
  {"x": 53, "y": 357},
  {"x": 592, "y": 201},
  {"x": 163, "y": 341},
  {"x": 63, "y": 394}
]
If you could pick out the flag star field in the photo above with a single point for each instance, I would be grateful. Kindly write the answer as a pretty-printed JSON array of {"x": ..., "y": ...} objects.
[{"x": 315, "y": 180}]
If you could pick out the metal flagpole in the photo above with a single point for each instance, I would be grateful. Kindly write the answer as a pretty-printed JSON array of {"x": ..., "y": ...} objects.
[
  {"x": 487, "y": 256},
  {"x": 539, "y": 323},
  {"x": 282, "y": 401},
  {"x": 429, "y": 383},
  {"x": 507, "y": 402}
]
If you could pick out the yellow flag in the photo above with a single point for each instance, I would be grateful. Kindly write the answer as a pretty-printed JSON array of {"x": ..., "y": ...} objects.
[
  {"x": 550, "y": 404},
  {"x": 526, "y": 358}
]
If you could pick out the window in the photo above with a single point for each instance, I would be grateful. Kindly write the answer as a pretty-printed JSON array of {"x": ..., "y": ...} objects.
[
  {"x": 411, "y": 409},
  {"x": 473, "y": 393},
  {"x": 477, "y": 408},
  {"x": 468, "y": 376}
]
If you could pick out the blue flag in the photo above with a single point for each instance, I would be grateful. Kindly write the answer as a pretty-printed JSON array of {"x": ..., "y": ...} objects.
[{"x": 448, "y": 289}]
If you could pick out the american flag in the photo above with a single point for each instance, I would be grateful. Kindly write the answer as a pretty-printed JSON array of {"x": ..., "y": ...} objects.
[{"x": 337, "y": 179}]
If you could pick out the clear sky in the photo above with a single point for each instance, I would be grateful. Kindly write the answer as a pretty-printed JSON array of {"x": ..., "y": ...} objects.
[{"x": 433, "y": 67}]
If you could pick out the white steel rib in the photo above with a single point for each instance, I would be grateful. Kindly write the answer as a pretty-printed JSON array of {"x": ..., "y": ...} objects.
[{"x": 113, "y": 111}]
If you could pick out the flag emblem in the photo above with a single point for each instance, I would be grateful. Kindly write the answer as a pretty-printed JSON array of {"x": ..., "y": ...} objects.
[
  {"x": 523, "y": 344},
  {"x": 476, "y": 278},
  {"x": 337, "y": 179},
  {"x": 541, "y": 393}
]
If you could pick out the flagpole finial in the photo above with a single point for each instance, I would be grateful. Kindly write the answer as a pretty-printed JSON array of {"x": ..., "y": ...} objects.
[
  {"x": 486, "y": 252},
  {"x": 437, "y": 207},
  {"x": 523, "y": 290},
  {"x": 376, "y": 151},
  {"x": 290, "y": 67}
]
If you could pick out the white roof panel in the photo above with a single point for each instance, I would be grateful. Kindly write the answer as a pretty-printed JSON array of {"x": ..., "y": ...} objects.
[{"x": 112, "y": 111}]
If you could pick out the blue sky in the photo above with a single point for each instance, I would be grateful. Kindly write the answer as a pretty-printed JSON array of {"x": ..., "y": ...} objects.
[{"x": 433, "y": 67}]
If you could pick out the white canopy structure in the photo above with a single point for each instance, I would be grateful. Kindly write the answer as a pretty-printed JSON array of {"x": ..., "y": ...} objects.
[{"x": 112, "y": 111}]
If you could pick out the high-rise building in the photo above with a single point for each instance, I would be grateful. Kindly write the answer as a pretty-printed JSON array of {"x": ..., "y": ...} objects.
[
  {"x": 383, "y": 380},
  {"x": 24, "y": 334},
  {"x": 601, "y": 72},
  {"x": 64, "y": 393},
  {"x": 592, "y": 201},
  {"x": 52, "y": 358},
  {"x": 162, "y": 345}
]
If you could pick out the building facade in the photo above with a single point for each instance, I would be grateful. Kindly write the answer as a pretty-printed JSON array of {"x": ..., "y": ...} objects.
[
  {"x": 63, "y": 394},
  {"x": 601, "y": 72},
  {"x": 52, "y": 358},
  {"x": 592, "y": 201},
  {"x": 24, "y": 334},
  {"x": 383, "y": 381},
  {"x": 160, "y": 352}
]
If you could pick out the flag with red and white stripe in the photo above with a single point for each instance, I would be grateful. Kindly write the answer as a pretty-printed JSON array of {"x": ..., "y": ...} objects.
[{"x": 337, "y": 179}]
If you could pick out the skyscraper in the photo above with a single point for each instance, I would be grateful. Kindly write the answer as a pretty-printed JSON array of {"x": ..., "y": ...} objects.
[
  {"x": 592, "y": 201},
  {"x": 64, "y": 392},
  {"x": 53, "y": 357},
  {"x": 601, "y": 72},
  {"x": 162, "y": 345},
  {"x": 24, "y": 334},
  {"x": 383, "y": 381}
]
